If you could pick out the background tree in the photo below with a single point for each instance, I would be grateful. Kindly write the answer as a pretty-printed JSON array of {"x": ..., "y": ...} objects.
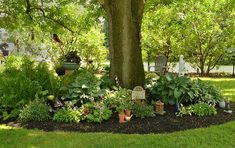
[
  {"x": 125, "y": 17},
  {"x": 207, "y": 32},
  {"x": 200, "y": 30},
  {"x": 31, "y": 25},
  {"x": 161, "y": 33}
]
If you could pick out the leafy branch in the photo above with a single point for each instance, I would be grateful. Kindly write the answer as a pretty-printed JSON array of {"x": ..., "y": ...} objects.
[{"x": 29, "y": 9}]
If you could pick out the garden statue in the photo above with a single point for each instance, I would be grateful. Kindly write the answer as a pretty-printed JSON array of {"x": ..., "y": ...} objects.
[{"x": 138, "y": 94}]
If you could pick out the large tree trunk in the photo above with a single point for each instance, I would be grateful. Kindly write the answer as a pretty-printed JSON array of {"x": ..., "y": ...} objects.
[{"x": 124, "y": 36}]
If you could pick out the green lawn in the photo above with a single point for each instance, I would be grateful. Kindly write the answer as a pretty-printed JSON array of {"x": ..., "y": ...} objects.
[
  {"x": 226, "y": 85},
  {"x": 221, "y": 136}
]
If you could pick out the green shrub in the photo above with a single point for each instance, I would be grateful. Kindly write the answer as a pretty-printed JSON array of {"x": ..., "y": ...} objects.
[
  {"x": 46, "y": 78},
  {"x": 142, "y": 110},
  {"x": 20, "y": 80},
  {"x": 106, "y": 82},
  {"x": 84, "y": 88},
  {"x": 67, "y": 115},
  {"x": 35, "y": 111},
  {"x": 96, "y": 112},
  {"x": 172, "y": 89},
  {"x": 205, "y": 93},
  {"x": 15, "y": 92}
]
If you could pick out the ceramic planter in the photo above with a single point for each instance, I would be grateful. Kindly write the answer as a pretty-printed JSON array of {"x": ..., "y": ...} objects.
[
  {"x": 70, "y": 66},
  {"x": 128, "y": 118},
  {"x": 222, "y": 104},
  {"x": 177, "y": 107}
]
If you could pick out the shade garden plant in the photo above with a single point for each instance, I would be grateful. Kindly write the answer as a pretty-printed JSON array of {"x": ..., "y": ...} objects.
[
  {"x": 21, "y": 79},
  {"x": 173, "y": 89},
  {"x": 37, "y": 110},
  {"x": 67, "y": 115}
]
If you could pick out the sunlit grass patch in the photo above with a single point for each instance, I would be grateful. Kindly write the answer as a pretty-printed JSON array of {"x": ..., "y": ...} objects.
[
  {"x": 5, "y": 127},
  {"x": 226, "y": 85}
]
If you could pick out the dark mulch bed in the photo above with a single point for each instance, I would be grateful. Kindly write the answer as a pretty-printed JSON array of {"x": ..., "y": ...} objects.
[{"x": 158, "y": 124}]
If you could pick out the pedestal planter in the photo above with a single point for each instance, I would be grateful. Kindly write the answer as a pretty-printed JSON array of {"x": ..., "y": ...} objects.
[{"x": 70, "y": 66}]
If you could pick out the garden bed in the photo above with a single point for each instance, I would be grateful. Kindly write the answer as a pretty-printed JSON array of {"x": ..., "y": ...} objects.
[{"x": 158, "y": 124}]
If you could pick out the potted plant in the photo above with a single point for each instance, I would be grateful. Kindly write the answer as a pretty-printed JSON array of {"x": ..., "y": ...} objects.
[
  {"x": 122, "y": 102},
  {"x": 121, "y": 112}
]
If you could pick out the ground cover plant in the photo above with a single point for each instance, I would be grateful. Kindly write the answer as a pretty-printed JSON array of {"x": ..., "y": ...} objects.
[
  {"x": 199, "y": 109},
  {"x": 67, "y": 115}
]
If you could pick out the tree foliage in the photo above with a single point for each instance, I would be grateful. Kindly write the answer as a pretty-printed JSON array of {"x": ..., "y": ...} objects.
[
  {"x": 200, "y": 30},
  {"x": 31, "y": 25}
]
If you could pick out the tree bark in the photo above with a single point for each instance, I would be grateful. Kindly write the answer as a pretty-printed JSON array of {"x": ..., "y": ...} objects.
[
  {"x": 125, "y": 17},
  {"x": 202, "y": 64}
]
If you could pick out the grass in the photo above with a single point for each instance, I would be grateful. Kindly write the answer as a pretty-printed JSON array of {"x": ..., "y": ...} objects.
[
  {"x": 214, "y": 136},
  {"x": 226, "y": 85}
]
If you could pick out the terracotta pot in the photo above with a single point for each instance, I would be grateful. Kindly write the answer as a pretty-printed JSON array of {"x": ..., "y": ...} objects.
[
  {"x": 128, "y": 112},
  {"x": 121, "y": 117}
]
